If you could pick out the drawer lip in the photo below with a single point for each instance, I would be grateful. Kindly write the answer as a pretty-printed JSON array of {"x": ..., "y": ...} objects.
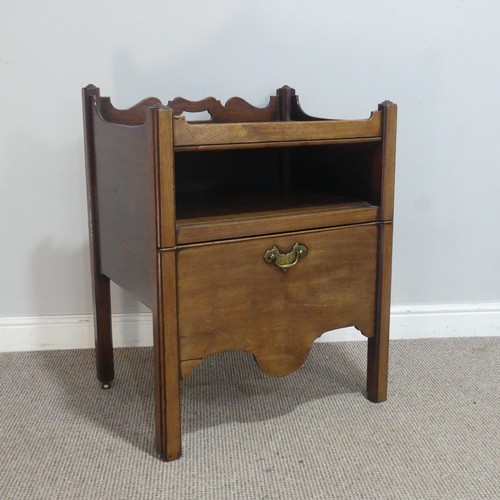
[
  {"x": 259, "y": 224},
  {"x": 270, "y": 236}
]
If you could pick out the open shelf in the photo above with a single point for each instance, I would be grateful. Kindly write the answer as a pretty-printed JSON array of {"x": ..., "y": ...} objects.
[
  {"x": 249, "y": 192},
  {"x": 207, "y": 217}
]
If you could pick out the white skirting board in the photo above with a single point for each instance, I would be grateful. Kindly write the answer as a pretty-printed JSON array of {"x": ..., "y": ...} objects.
[{"x": 35, "y": 333}]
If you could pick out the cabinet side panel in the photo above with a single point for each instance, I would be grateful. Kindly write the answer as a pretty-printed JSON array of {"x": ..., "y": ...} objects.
[{"x": 125, "y": 187}]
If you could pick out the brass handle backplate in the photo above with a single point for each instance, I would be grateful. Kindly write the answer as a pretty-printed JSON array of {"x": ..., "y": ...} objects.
[{"x": 285, "y": 260}]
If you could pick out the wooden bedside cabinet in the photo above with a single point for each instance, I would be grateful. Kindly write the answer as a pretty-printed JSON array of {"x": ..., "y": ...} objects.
[{"x": 259, "y": 229}]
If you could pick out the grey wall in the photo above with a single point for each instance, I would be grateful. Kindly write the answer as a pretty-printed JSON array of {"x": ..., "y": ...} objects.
[{"x": 437, "y": 60}]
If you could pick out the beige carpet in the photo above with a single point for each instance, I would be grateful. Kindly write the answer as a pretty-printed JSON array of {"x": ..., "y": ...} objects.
[{"x": 247, "y": 436}]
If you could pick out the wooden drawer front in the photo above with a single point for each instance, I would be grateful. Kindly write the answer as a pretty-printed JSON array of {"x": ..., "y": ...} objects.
[{"x": 229, "y": 297}]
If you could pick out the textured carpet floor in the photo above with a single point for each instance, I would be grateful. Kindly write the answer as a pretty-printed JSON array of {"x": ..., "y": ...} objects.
[{"x": 248, "y": 436}]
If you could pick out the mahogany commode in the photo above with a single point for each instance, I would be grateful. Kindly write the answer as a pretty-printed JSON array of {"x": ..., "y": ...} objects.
[{"x": 259, "y": 229}]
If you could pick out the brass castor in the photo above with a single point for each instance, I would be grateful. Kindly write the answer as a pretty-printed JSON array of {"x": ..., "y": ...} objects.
[{"x": 106, "y": 385}]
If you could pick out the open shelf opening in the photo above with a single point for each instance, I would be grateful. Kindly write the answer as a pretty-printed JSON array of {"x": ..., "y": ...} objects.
[{"x": 217, "y": 189}]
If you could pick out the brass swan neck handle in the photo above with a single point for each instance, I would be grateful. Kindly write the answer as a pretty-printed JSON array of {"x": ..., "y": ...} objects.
[{"x": 285, "y": 260}]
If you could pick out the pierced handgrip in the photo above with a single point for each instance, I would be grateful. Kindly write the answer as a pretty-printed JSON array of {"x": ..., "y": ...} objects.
[
  {"x": 285, "y": 260},
  {"x": 235, "y": 109},
  {"x": 181, "y": 105}
]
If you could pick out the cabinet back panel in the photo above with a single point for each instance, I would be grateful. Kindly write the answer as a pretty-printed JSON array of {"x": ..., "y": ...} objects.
[
  {"x": 228, "y": 170},
  {"x": 344, "y": 170}
]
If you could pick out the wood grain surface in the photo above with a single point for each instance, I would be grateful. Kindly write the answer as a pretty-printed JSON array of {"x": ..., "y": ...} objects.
[
  {"x": 230, "y": 298},
  {"x": 254, "y": 222},
  {"x": 186, "y": 133},
  {"x": 126, "y": 203}
]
